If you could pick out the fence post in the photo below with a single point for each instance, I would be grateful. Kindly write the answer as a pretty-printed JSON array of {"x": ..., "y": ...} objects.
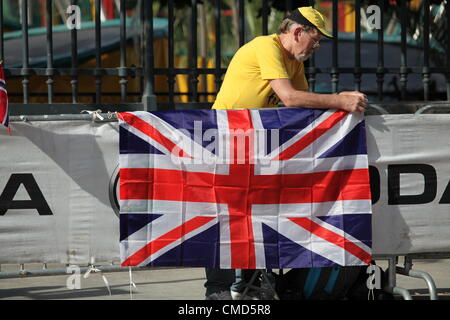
[{"x": 148, "y": 98}]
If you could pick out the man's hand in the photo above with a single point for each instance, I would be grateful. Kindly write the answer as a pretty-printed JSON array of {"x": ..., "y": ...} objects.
[{"x": 353, "y": 101}]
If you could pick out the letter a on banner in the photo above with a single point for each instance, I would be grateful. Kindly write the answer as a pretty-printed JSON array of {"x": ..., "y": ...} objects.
[{"x": 37, "y": 200}]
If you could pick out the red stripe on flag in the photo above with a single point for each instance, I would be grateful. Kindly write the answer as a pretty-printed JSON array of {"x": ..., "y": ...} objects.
[
  {"x": 333, "y": 237},
  {"x": 241, "y": 136},
  {"x": 242, "y": 242},
  {"x": 166, "y": 239},
  {"x": 314, "y": 134},
  {"x": 164, "y": 184},
  {"x": 153, "y": 133}
]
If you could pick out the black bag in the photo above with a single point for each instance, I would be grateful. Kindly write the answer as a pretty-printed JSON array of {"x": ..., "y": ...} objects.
[{"x": 328, "y": 283}]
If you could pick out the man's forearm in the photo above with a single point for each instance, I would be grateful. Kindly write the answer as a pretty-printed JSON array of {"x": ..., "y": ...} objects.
[
  {"x": 313, "y": 100},
  {"x": 351, "y": 101}
]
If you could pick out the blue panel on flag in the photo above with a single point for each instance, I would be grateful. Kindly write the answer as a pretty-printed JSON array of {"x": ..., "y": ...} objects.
[
  {"x": 358, "y": 226},
  {"x": 190, "y": 120},
  {"x": 201, "y": 250},
  {"x": 132, "y": 222},
  {"x": 353, "y": 143},
  {"x": 292, "y": 254},
  {"x": 130, "y": 143},
  {"x": 289, "y": 122}
]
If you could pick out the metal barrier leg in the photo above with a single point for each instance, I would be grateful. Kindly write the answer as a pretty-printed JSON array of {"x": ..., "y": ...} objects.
[
  {"x": 407, "y": 271},
  {"x": 392, "y": 280},
  {"x": 269, "y": 284},
  {"x": 265, "y": 279},
  {"x": 402, "y": 291},
  {"x": 250, "y": 285}
]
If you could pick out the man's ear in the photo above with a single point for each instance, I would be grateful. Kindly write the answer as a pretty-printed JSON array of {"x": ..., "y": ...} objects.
[{"x": 297, "y": 32}]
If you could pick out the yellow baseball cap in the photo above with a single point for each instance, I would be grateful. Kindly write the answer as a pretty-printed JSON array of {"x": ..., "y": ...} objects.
[{"x": 311, "y": 17}]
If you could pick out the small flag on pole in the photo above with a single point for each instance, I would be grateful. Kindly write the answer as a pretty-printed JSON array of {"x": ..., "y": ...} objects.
[{"x": 4, "y": 116}]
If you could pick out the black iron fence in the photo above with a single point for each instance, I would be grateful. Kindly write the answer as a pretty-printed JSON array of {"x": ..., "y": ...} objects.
[{"x": 380, "y": 68}]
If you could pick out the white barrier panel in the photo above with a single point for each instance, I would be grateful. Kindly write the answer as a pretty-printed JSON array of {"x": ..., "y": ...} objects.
[
  {"x": 71, "y": 163},
  {"x": 58, "y": 174},
  {"x": 411, "y": 153}
]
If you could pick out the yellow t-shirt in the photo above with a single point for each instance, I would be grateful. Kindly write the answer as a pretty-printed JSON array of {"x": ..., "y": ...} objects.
[{"x": 246, "y": 83}]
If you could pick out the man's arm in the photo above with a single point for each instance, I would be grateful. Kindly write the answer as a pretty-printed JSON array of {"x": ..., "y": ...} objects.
[{"x": 351, "y": 101}]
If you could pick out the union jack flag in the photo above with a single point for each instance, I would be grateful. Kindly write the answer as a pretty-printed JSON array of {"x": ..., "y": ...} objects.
[
  {"x": 247, "y": 189},
  {"x": 4, "y": 117}
]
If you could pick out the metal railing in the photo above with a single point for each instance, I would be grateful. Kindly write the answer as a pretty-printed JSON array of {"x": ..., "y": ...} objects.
[
  {"x": 123, "y": 71},
  {"x": 147, "y": 70}
]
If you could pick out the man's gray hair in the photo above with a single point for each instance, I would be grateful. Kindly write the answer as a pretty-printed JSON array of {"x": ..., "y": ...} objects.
[{"x": 287, "y": 24}]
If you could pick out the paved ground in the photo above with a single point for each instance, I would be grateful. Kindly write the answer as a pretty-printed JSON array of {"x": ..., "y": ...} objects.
[{"x": 173, "y": 284}]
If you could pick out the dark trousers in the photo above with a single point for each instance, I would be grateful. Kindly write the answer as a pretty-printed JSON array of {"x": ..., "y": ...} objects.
[{"x": 222, "y": 279}]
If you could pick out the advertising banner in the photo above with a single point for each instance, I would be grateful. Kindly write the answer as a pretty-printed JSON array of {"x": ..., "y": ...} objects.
[
  {"x": 54, "y": 201},
  {"x": 59, "y": 186},
  {"x": 409, "y": 157}
]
